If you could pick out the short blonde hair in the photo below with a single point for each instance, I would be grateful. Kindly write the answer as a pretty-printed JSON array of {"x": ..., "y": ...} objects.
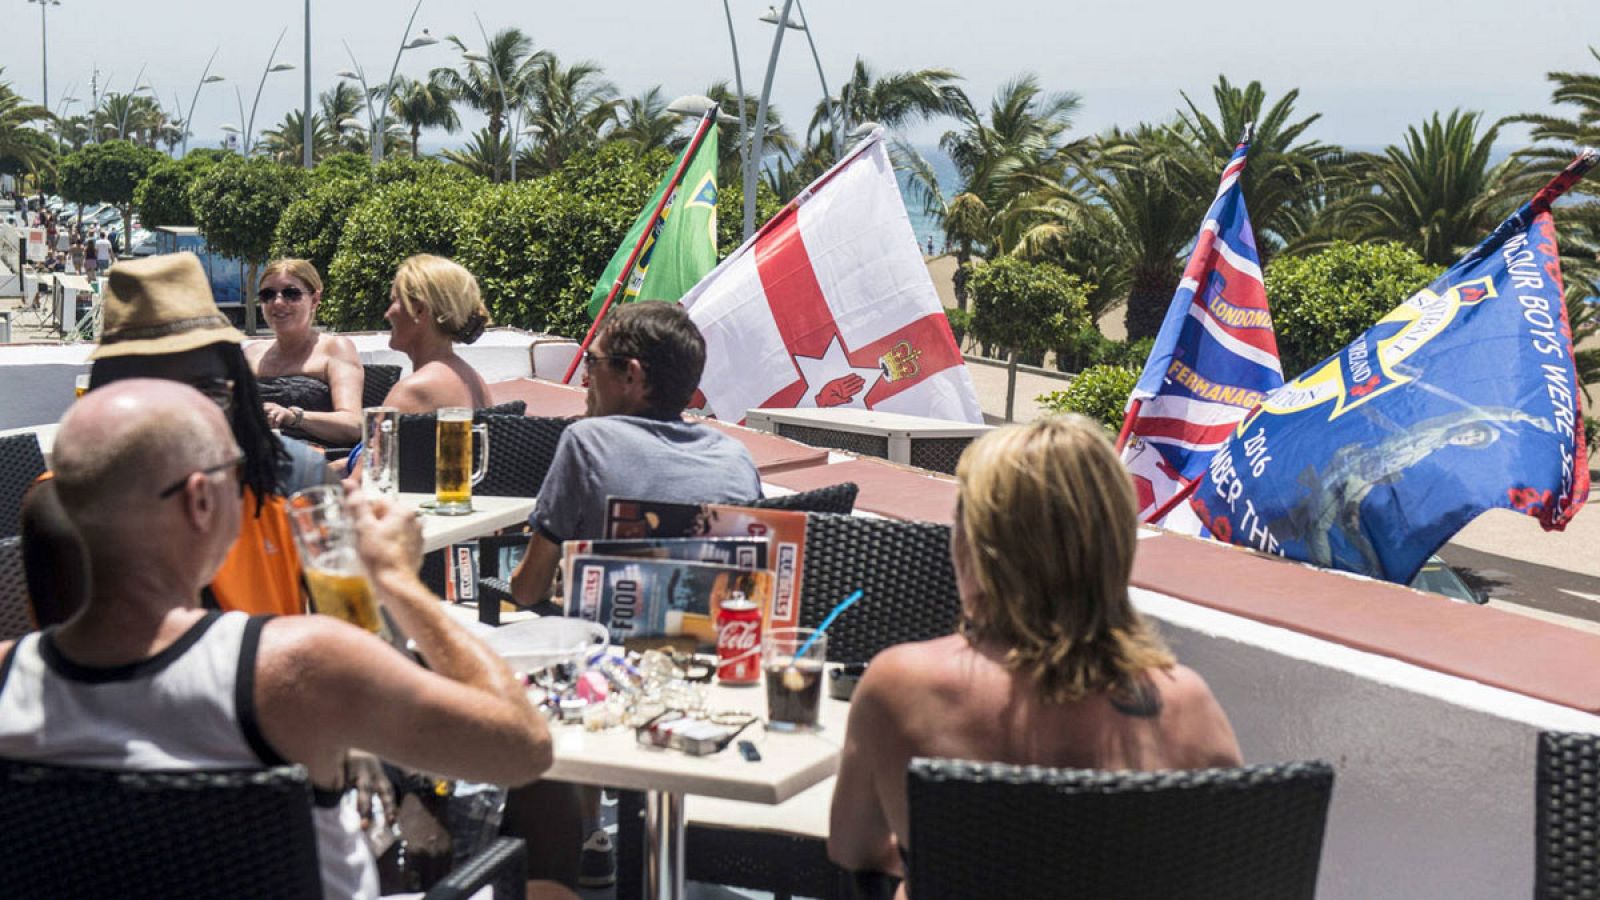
[
  {"x": 446, "y": 292},
  {"x": 300, "y": 270},
  {"x": 1050, "y": 525}
]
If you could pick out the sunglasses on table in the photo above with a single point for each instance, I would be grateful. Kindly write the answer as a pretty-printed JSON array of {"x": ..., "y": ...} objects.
[
  {"x": 236, "y": 464},
  {"x": 289, "y": 295}
]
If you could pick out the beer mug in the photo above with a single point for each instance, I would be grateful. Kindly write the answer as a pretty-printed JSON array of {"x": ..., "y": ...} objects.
[
  {"x": 325, "y": 534},
  {"x": 453, "y": 472},
  {"x": 80, "y": 385},
  {"x": 380, "y": 450}
]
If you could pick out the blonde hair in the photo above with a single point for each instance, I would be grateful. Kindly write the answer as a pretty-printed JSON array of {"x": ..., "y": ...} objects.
[
  {"x": 299, "y": 269},
  {"x": 1050, "y": 525},
  {"x": 445, "y": 291}
]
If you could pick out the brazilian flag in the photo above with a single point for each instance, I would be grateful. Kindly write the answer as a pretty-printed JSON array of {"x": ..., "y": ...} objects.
[{"x": 682, "y": 247}]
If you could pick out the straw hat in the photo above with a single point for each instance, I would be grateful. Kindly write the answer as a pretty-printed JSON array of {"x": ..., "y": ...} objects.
[{"x": 159, "y": 305}]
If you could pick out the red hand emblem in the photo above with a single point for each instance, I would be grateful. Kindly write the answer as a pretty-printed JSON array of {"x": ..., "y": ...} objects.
[{"x": 839, "y": 391}]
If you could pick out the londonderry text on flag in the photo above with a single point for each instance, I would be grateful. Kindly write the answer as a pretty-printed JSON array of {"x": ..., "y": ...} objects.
[
  {"x": 682, "y": 247},
  {"x": 830, "y": 305},
  {"x": 1214, "y": 359},
  {"x": 1463, "y": 399}
]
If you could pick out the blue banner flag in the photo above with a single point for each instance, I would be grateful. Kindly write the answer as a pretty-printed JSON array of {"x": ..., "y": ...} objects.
[
  {"x": 1214, "y": 359},
  {"x": 1464, "y": 398}
]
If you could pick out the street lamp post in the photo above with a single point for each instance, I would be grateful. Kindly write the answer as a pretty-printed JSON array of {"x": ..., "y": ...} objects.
[
  {"x": 744, "y": 123},
  {"x": 505, "y": 104},
  {"x": 759, "y": 138},
  {"x": 44, "y": 50},
  {"x": 771, "y": 18},
  {"x": 380, "y": 117},
  {"x": 205, "y": 78},
  {"x": 250, "y": 123}
]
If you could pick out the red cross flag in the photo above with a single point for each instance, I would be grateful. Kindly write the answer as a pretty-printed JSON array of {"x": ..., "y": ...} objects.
[{"x": 830, "y": 305}]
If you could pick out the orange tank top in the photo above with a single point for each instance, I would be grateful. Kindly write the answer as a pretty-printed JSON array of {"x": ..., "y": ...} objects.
[{"x": 262, "y": 571}]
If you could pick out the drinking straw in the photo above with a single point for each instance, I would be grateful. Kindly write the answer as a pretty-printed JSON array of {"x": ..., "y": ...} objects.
[{"x": 827, "y": 620}]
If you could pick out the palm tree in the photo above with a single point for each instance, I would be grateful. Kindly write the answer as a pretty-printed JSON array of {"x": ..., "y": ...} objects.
[
  {"x": 484, "y": 154},
  {"x": 19, "y": 141},
  {"x": 894, "y": 100},
  {"x": 284, "y": 144},
  {"x": 1284, "y": 172},
  {"x": 645, "y": 122},
  {"x": 340, "y": 108},
  {"x": 1559, "y": 139},
  {"x": 497, "y": 85},
  {"x": 569, "y": 107},
  {"x": 1440, "y": 193},
  {"x": 423, "y": 104},
  {"x": 779, "y": 140}
]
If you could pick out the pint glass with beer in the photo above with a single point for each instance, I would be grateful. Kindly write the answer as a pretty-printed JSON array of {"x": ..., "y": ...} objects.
[
  {"x": 453, "y": 472},
  {"x": 325, "y": 534}
]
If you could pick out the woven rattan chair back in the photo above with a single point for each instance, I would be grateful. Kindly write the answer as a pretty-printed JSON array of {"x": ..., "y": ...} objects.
[
  {"x": 417, "y": 444},
  {"x": 20, "y": 464},
  {"x": 14, "y": 618},
  {"x": 521, "y": 449},
  {"x": 71, "y": 832},
  {"x": 990, "y": 830},
  {"x": 839, "y": 499},
  {"x": 376, "y": 381},
  {"x": 1567, "y": 855},
  {"x": 903, "y": 570}
]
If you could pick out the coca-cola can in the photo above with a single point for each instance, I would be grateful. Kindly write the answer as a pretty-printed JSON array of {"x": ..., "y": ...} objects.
[{"x": 739, "y": 641}]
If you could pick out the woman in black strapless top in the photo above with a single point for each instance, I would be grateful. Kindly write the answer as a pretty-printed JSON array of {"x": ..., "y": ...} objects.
[{"x": 310, "y": 381}]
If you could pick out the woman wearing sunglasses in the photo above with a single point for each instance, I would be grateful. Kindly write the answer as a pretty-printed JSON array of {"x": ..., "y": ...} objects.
[{"x": 310, "y": 380}]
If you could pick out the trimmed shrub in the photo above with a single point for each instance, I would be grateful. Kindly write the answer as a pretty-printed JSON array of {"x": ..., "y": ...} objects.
[
  {"x": 162, "y": 198},
  {"x": 311, "y": 226},
  {"x": 1026, "y": 307},
  {"x": 1099, "y": 392},
  {"x": 1322, "y": 301}
]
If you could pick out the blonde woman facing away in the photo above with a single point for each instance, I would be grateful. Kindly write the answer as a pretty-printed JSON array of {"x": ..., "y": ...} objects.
[
  {"x": 1052, "y": 665},
  {"x": 435, "y": 303},
  {"x": 310, "y": 380}
]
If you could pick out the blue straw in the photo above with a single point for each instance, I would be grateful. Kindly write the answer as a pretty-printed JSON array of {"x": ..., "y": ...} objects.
[{"x": 843, "y": 605}]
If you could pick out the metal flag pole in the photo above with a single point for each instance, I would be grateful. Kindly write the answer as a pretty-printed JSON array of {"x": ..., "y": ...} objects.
[{"x": 707, "y": 122}]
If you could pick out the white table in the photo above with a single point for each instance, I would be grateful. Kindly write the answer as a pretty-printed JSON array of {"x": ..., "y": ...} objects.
[
  {"x": 790, "y": 763},
  {"x": 489, "y": 514}
]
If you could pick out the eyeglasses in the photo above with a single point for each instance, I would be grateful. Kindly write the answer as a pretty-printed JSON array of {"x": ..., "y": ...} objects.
[
  {"x": 590, "y": 358},
  {"x": 289, "y": 295},
  {"x": 236, "y": 464},
  {"x": 217, "y": 390}
]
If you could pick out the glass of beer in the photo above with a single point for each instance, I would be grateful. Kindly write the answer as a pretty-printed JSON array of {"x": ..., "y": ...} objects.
[
  {"x": 325, "y": 534},
  {"x": 453, "y": 472},
  {"x": 794, "y": 683},
  {"x": 380, "y": 450},
  {"x": 80, "y": 385}
]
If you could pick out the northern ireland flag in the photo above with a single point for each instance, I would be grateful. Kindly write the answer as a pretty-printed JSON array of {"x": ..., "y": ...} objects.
[{"x": 830, "y": 305}]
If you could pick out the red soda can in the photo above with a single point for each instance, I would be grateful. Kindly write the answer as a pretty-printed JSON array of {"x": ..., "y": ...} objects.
[{"x": 739, "y": 641}]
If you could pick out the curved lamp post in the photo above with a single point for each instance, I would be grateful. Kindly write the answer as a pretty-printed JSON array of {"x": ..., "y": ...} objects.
[
  {"x": 744, "y": 124},
  {"x": 44, "y": 50},
  {"x": 759, "y": 139},
  {"x": 379, "y": 118},
  {"x": 250, "y": 121},
  {"x": 771, "y": 18},
  {"x": 205, "y": 78}
]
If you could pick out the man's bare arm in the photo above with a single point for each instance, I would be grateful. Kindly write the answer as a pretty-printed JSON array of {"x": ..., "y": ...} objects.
[{"x": 530, "y": 583}]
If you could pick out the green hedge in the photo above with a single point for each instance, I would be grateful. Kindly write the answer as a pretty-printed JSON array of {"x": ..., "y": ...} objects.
[
  {"x": 1099, "y": 392},
  {"x": 1026, "y": 307}
]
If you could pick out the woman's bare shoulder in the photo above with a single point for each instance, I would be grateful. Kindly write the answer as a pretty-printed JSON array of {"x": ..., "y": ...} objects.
[
  {"x": 338, "y": 347},
  {"x": 254, "y": 350}
]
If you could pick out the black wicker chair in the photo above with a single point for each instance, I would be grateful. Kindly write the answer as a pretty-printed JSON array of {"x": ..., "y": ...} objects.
[
  {"x": 521, "y": 449},
  {"x": 78, "y": 832},
  {"x": 991, "y": 830},
  {"x": 909, "y": 587},
  {"x": 20, "y": 463},
  {"x": 417, "y": 444},
  {"x": 1567, "y": 855},
  {"x": 14, "y": 618},
  {"x": 376, "y": 381},
  {"x": 835, "y": 498}
]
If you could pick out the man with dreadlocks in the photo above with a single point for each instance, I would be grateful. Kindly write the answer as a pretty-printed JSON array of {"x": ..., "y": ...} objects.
[{"x": 159, "y": 321}]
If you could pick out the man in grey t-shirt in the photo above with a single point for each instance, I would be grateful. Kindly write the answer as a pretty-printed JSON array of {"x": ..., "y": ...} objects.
[{"x": 642, "y": 370}]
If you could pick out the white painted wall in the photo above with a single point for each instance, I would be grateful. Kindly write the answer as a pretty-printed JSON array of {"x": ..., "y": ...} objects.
[{"x": 1433, "y": 775}]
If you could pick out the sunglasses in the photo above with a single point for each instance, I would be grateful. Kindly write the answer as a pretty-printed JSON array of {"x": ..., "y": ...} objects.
[
  {"x": 236, "y": 464},
  {"x": 590, "y": 358},
  {"x": 289, "y": 295}
]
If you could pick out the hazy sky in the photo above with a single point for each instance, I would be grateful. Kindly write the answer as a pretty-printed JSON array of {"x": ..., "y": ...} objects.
[{"x": 1371, "y": 67}]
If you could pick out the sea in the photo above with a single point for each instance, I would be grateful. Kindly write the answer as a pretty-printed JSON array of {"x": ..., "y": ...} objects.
[{"x": 925, "y": 226}]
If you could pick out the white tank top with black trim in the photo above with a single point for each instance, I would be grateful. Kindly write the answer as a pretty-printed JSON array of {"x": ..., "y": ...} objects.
[{"x": 191, "y": 706}]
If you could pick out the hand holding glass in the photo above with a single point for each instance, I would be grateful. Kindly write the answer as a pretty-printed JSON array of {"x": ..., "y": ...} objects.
[{"x": 325, "y": 533}]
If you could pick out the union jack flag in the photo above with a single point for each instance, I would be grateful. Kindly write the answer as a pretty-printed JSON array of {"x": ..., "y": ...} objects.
[{"x": 1214, "y": 359}]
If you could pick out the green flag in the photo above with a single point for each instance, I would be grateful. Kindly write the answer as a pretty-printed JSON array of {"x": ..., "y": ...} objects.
[{"x": 683, "y": 245}]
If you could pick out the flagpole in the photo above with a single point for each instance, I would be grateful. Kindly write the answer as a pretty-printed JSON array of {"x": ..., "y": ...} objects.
[
  {"x": 1189, "y": 488},
  {"x": 1127, "y": 425},
  {"x": 707, "y": 121}
]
